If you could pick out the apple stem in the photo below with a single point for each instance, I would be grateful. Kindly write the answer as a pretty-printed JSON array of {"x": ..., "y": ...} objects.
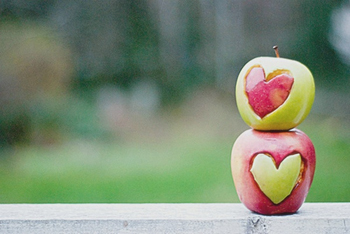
[{"x": 276, "y": 51}]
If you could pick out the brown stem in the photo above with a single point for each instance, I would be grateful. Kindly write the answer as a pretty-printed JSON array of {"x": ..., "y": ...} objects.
[{"x": 276, "y": 51}]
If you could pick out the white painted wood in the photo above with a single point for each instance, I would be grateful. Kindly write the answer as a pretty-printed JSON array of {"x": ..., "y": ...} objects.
[{"x": 169, "y": 218}]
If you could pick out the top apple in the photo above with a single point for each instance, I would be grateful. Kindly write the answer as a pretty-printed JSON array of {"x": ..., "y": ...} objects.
[{"x": 274, "y": 93}]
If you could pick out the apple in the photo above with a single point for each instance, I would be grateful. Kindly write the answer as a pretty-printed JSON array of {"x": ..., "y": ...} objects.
[
  {"x": 274, "y": 93},
  {"x": 273, "y": 171}
]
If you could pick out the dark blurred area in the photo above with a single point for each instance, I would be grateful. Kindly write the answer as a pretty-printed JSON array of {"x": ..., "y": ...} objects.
[{"x": 56, "y": 55}]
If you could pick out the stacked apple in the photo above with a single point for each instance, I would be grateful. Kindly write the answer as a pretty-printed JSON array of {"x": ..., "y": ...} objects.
[{"x": 273, "y": 163}]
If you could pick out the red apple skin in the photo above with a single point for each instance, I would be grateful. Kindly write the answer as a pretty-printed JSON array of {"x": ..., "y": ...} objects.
[
  {"x": 266, "y": 96},
  {"x": 279, "y": 145}
]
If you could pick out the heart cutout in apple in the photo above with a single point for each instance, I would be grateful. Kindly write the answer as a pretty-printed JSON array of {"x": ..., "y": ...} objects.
[
  {"x": 266, "y": 94},
  {"x": 276, "y": 183}
]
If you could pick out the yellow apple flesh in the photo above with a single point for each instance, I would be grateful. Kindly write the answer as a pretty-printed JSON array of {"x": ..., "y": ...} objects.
[{"x": 276, "y": 183}]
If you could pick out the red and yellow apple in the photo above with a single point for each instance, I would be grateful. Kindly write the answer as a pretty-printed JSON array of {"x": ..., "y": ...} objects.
[
  {"x": 274, "y": 93},
  {"x": 273, "y": 171}
]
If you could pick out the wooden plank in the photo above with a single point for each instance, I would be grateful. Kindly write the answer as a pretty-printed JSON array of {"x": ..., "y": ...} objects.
[{"x": 169, "y": 218}]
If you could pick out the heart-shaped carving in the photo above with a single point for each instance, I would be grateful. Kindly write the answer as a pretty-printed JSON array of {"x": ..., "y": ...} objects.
[
  {"x": 276, "y": 183},
  {"x": 267, "y": 94}
]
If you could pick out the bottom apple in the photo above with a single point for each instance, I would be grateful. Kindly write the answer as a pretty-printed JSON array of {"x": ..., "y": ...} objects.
[{"x": 273, "y": 171}]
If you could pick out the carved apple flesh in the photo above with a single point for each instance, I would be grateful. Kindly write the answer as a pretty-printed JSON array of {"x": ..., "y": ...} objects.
[
  {"x": 264, "y": 95},
  {"x": 276, "y": 181},
  {"x": 264, "y": 75}
]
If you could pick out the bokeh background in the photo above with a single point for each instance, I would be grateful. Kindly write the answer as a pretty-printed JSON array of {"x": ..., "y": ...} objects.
[{"x": 133, "y": 101}]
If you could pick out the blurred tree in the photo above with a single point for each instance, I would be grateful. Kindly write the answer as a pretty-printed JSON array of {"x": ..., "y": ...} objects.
[
  {"x": 35, "y": 71},
  {"x": 24, "y": 10},
  {"x": 340, "y": 31},
  {"x": 113, "y": 40},
  {"x": 315, "y": 49},
  {"x": 174, "y": 45},
  {"x": 182, "y": 44}
]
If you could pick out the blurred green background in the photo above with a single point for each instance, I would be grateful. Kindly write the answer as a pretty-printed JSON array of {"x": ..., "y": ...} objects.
[{"x": 133, "y": 101}]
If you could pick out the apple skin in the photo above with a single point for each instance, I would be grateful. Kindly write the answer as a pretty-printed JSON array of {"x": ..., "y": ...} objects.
[
  {"x": 295, "y": 108},
  {"x": 279, "y": 145}
]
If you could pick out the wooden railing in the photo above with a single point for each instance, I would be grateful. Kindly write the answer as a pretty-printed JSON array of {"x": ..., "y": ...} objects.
[{"x": 170, "y": 218}]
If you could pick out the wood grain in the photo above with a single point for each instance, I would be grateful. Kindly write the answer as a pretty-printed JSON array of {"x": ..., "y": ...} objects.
[{"x": 169, "y": 218}]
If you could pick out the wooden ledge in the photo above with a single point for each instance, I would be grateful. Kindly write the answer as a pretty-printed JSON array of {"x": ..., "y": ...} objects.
[{"x": 170, "y": 218}]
